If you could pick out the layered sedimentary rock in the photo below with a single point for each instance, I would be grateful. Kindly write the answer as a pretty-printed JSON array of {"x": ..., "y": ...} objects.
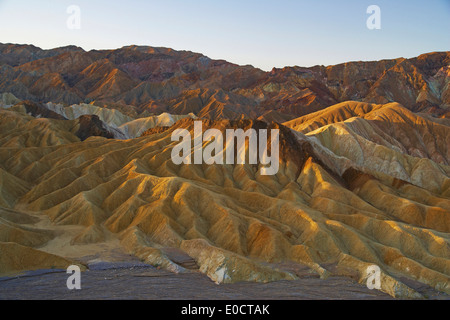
[
  {"x": 358, "y": 184},
  {"x": 86, "y": 166},
  {"x": 155, "y": 80}
]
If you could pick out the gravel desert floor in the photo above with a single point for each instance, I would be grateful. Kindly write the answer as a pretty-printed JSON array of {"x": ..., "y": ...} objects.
[
  {"x": 137, "y": 281},
  {"x": 134, "y": 280}
]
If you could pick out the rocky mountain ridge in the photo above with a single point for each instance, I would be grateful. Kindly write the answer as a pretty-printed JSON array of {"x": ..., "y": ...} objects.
[{"x": 156, "y": 80}]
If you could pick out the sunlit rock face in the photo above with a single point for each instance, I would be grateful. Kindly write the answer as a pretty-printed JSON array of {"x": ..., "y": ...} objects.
[
  {"x": 139, "y": 79},
  {"x": 349, "y": 193},
  {"x": 363, "y": 180}
]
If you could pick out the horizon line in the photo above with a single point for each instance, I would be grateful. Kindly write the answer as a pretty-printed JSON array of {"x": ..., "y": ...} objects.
[{"x": 217, "y": 59}]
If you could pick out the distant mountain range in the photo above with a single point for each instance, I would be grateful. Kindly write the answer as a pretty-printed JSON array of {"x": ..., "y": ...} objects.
[{"x": 142, "y": 79}]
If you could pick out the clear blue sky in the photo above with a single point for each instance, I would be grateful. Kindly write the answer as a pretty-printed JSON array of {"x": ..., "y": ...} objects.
[{"x": 262, "y": 33}]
